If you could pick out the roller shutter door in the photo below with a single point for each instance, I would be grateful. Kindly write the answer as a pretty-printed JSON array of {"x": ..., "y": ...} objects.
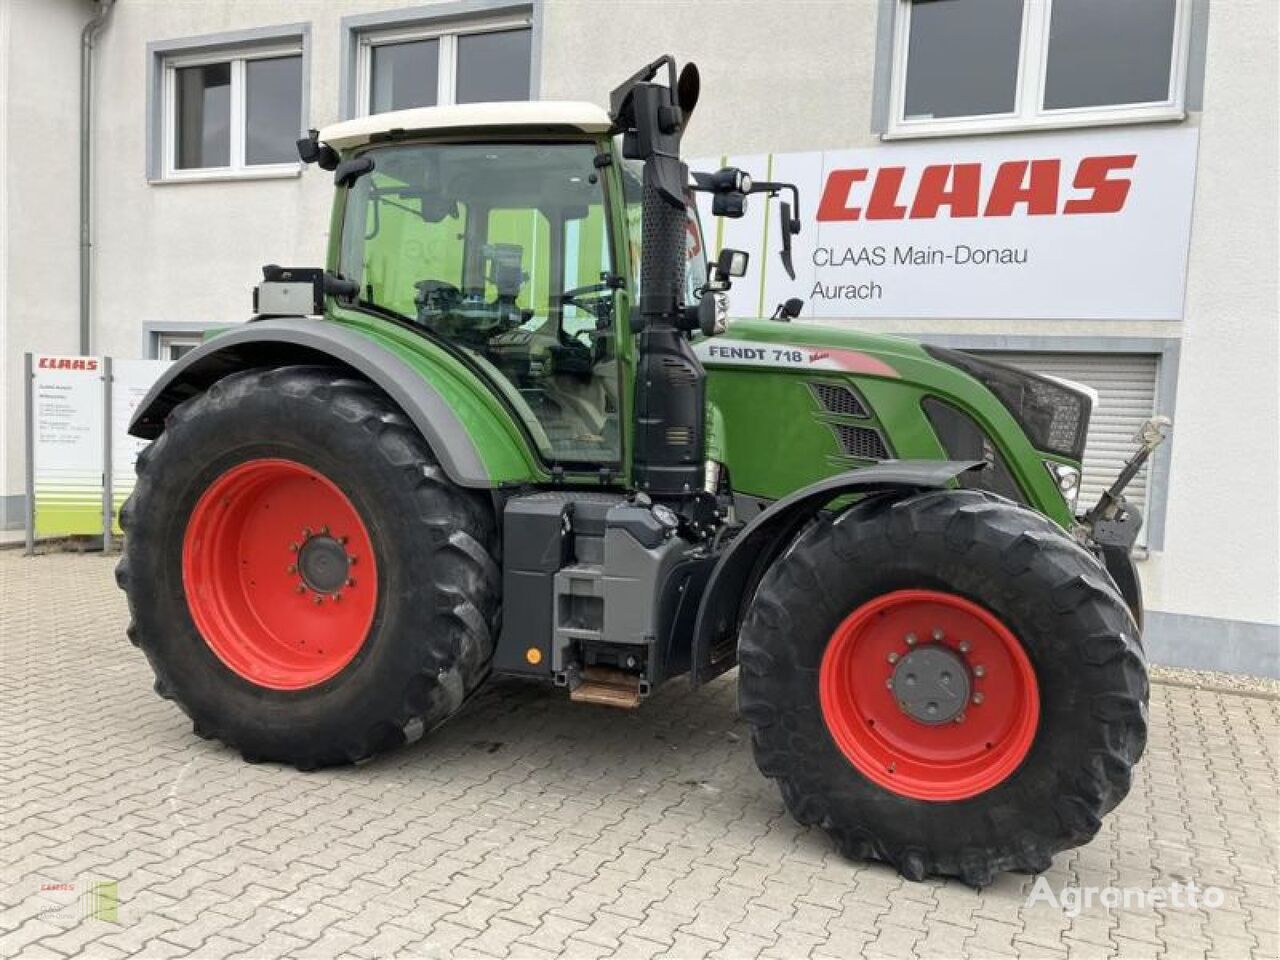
[{"x": 1126, "y": 385}]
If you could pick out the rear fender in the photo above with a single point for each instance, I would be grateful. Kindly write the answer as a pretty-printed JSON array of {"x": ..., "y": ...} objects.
[
  {"x": 739, "y": 569},
  {"x": 437, "y": 411}
]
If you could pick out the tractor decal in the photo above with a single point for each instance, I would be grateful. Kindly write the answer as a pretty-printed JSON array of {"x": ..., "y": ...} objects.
[{"x": 746, "y": 354}]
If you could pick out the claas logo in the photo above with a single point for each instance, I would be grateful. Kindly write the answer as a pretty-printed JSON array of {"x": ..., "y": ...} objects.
[
  {"x": 1098, "y": 185},
  {"x": 68, "y": 363}
]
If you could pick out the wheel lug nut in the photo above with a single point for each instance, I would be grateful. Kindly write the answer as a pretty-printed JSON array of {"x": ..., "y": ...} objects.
[
  {"x": 959, "y": 718},
  {"x": 938, "y": 634},
  {"x": 336, "y": 597},
  {"x": 324, "y": 531},
  {"x": 351, "y": 561},
  {"x": 889, "y": 683},
  {"x": 299, "y": 589},
  {"x": 911, "y": 639},
  {"x": 964, "y": 646},
  {"x": 978, "y": 698},
  {"x": 317, "y": 599},
  {"x": 979, "y": 671},
  {"x": 293, "y": 568},
  {"x": 306, "y": 532},
  {"x": 893, "y": 658},
  {"x": 343, "y": 541},
  {"x": 293, "y": 547}
]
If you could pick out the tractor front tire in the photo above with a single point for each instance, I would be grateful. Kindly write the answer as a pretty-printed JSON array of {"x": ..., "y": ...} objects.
[
  {"x": 308, "y": 585},
  {"x": 944, "y": 681}
]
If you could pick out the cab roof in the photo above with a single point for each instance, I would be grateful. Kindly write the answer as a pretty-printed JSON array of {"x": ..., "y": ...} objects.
[{"x": 530, "y": 114}]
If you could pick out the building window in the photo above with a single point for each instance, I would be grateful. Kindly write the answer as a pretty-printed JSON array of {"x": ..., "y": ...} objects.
[
  {"x": 173, "y": 346},
  {"x": 174, "y": 339},
  {"x": 230, "y": 105},
  {"x": 428, "y": 66},
  {"x": 975, "y": 66}
]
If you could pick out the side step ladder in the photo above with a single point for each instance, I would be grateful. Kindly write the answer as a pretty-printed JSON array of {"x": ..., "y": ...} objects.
[{"x": 608, "y": 687}]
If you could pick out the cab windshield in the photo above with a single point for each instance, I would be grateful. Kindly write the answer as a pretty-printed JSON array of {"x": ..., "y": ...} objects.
[{"x": 503, "y": 251}]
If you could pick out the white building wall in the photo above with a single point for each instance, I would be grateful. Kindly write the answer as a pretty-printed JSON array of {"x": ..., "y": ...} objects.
[
  {"x": 1220, "y": 557},
  {"x": 39, "y": 205},
  {"x": 191, "y": 252}
]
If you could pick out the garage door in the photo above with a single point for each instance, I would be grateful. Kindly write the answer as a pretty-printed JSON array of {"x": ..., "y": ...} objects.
[{"x": 1126, "y": 385}]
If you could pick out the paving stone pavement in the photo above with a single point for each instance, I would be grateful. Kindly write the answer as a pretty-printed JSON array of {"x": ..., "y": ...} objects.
[{"x": 531, "y": 827}]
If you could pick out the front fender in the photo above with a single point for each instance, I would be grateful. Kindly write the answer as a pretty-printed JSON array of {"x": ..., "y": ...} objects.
[
  {"x": 740, "y": 567},
  {"x": 476, "y": 442}
]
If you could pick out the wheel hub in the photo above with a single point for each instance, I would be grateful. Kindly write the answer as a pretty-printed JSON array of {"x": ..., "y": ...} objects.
[
  {"x": 932, "y": 684},
  {"x": 323, "y": 564},
  {"x": 269, "y": 587},
  {"x": 929, "y": 695}
]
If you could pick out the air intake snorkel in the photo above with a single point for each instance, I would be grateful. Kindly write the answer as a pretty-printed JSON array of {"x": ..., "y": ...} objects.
[{"x": 670, "y": 383}]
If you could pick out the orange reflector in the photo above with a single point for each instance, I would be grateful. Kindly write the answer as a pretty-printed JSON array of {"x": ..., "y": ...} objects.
[{"x": 533, "y": 655}]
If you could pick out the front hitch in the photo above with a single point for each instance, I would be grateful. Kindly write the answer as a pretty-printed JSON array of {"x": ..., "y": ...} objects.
[
  {"x": 1111, "y": 528},
  {"x": 1113, "y": 521}
]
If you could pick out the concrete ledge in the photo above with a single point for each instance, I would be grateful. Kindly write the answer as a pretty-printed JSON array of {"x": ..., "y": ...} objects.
[{"x": 1208, "y": 643}]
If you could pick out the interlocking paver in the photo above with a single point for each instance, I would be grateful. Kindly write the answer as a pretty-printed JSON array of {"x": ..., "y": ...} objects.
[{"x": 533, "y": 828}]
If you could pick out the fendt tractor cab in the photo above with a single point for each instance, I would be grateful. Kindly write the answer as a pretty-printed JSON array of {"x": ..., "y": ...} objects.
[{"x": 506, "y": 431}]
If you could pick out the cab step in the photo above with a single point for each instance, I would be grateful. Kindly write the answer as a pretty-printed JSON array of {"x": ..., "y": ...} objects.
[{"x": 607, "y": 687}]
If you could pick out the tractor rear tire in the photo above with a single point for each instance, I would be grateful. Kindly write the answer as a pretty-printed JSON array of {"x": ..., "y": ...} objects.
[
  {"x": 308, "y": 585},
  {"x": 944, "y": 681}
]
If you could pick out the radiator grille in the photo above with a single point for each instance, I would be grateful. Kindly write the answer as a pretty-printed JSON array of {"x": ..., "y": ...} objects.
[
  {"x": 839, "y": 399},
  {"x": 860, "y": 442}
]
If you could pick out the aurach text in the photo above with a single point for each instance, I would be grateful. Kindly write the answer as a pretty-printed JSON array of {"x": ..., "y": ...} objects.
[{"x": 967, "y": 190}]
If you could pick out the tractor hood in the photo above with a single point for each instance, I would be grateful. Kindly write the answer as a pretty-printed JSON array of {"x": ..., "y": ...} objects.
[
  {"x": 793, "y": 403},
  {"x": 809, "y": 347}
]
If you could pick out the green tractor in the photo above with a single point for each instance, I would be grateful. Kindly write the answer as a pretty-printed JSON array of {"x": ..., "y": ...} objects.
[{"x": 506, "y": 431}]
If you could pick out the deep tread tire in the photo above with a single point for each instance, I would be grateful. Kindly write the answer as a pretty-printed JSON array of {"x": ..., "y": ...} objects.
[
  {"x": 433, "y": 632},
  {"x": 1054, "y": 596}
]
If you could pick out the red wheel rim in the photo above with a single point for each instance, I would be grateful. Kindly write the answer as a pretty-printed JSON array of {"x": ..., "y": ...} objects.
[
  {"x": 279, "y": 574},
  {"x": 963, "y": 757}
]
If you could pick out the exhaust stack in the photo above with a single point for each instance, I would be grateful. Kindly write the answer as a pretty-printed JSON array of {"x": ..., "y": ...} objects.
[{"x": 670, "y": 400}]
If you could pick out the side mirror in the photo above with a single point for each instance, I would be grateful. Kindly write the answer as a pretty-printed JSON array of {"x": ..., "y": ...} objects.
[
  {"x": 788, "y": 310},
  {"x": 732, "y": 263},
  {"x": 790, "y": 226}
]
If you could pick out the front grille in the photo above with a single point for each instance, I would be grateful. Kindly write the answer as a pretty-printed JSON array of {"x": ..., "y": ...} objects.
[
  {"x": 839, "y": 400},
  {"x": 862, "y": 443}
]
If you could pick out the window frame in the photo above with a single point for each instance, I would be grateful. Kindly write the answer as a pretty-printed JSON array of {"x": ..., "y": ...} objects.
[
  {"x": 446, "y": 34},
  {"x": 165, "y": 56},
  {"x": 1028, "y": 114},
  {"x": 238, "y": 166},
  {"x": 157, "y": 335}
]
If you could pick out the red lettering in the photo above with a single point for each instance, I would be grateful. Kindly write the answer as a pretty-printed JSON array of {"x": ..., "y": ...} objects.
[
  {"x": 1011, "y": 188},
  {"x": 884, "y": 195},
  {"x": 1106, "y": 195},
  {"x": 835, "y": 197},
  {"x": 945, "y": 185},
  {"x": 67, "y": 363}
]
